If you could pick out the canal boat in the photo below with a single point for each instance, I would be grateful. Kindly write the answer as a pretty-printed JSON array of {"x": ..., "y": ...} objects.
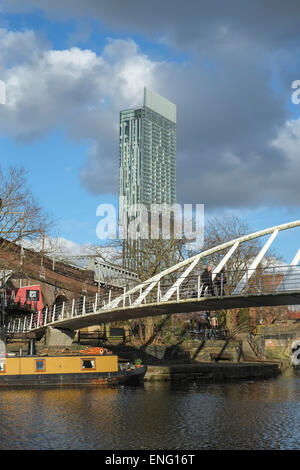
[{"x": 94, "y": 366}]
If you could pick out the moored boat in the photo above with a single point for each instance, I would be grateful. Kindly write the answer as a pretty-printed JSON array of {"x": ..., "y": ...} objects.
[{"x": 82, "y": 368}]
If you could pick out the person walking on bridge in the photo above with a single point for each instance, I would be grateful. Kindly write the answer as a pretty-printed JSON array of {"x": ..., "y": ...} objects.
[
  {"x": 220, "y": 281},
  {"x": 206, "y": 278}
]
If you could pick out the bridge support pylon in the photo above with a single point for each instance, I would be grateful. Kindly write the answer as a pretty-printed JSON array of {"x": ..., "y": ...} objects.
[{"x": 58, "y": 337}]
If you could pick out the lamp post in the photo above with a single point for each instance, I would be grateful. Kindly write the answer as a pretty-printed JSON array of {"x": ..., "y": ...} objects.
[
  {"x": 3, "y": 296},
  {"x": 4, "y": 279}
]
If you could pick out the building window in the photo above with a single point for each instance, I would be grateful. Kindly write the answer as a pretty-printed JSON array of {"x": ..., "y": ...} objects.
[
  {"x": 40, "y": 365},
  {"x": 88, "y": 363}
]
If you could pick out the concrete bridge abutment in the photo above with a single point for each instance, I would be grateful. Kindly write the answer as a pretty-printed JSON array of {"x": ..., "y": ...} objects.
[{"x": 59, "y": 337}]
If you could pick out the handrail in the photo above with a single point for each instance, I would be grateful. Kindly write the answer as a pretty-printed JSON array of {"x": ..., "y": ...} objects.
[{"x": 274, "y": 280}]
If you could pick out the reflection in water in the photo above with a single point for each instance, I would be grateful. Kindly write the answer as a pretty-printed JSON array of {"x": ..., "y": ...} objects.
[{"x": 246, "y": 415}]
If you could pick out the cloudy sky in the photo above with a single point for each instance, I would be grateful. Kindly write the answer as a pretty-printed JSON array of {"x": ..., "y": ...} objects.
[{"x": 71, "y": 66}]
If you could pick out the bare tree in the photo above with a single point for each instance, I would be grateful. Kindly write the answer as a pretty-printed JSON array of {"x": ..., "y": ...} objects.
[
  {"x": 23, "y": 223},
  {"x": 221, "y": 230},
  {"x": 20, "y": 215},
  {"x": 21, "y": 219},
  {"x": 152, "y": 256},
  {"x": 269, "y": 315},
  {"x": 148, "y": 257}
]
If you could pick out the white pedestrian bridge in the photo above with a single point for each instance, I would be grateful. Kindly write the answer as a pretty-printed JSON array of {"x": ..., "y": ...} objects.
[{"x": 179, "y": 290}]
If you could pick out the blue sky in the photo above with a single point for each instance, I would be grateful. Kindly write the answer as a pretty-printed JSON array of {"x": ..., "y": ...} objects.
[
  {"x": 69, "y": 71},
  {"x": 53, "y": 167}
]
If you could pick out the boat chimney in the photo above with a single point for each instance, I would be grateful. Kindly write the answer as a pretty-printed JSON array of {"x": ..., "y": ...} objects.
[{"x": 31, "y": 348}]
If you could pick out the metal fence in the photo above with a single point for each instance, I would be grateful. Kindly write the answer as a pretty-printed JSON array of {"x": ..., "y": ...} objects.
[{"x": 209, "y": 334}]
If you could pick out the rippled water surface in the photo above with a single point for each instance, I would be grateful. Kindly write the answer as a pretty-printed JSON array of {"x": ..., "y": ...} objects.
[{"x": 247, "y": 415}]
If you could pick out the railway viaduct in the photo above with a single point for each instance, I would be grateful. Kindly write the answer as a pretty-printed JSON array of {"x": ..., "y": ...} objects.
[{"x": 59, "y": 281}]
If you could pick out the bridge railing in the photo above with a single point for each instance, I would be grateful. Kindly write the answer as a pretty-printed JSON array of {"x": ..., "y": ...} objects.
[
  {"x": 249, "y": 282},
  {"x": 269, "y": 280}
]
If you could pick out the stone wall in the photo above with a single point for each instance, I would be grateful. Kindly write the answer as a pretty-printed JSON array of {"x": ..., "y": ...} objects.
[
  {"x": 212, "y": 372},
  {"x": 276, "y": 340},
  {"x": 193, "y": 351}
]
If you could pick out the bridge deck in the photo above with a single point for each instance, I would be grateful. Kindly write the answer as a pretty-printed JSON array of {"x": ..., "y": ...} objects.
[{"x": 177, "y": 306}]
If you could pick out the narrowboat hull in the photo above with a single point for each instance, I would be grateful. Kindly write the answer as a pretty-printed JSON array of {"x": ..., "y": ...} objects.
[
  {"x": 101, "y": 379},
  {"x": 97, "y": 369}
]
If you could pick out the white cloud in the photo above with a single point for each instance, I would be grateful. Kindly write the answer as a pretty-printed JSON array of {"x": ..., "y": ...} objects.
[
  {"x": 55, "y": 246},
  {"x": 288, "y": 140},
  {"x": 19, "y": 47},
  {"x": 2, "y": 92},
  {"x": 76, "y": 253},
  {"x": 230, "y": 152},
  {"x": 60, "y": 85},
  {"x": 77, "y": 90}
]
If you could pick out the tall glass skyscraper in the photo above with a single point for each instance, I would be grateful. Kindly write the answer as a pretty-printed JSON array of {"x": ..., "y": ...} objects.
[{"x": 147, "y": 167}]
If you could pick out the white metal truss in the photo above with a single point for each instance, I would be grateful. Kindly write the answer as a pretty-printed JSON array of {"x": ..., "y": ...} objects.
[
  {"x": 147, "y": 286},
  {"x": 289, "y": 273},
  {"x": 255, "y": 263},
  {"x": 296, "y": 259},
  {"x": 225, "y": 259},
  {"x": 179, "y": 281}
]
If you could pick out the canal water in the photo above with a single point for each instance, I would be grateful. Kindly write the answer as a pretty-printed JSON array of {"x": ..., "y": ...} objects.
[{"x": 244, "y": 415}]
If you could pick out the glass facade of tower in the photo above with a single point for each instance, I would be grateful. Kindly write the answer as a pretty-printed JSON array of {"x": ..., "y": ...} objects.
[
  {"x": 147, "y": 157},
  {"x": 147, "y": 166}
]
